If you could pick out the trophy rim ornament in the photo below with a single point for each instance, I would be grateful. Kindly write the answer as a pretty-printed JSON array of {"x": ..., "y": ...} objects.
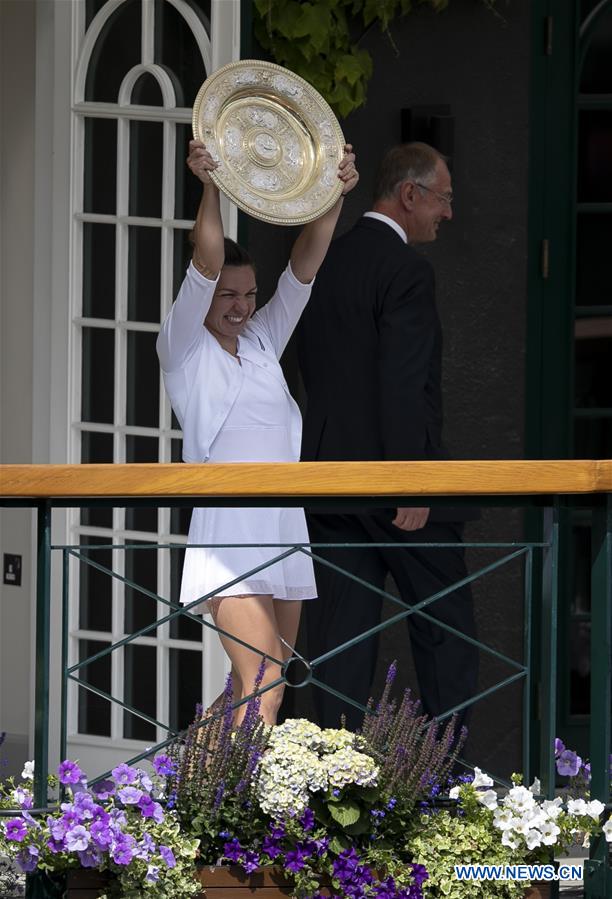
[{"x": 276, "y": 138}]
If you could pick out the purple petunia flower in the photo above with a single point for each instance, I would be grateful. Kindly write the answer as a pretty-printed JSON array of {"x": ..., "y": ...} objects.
[
  {"x": 152, "y": 874},
  {"x": 123, "y": 849},
  {"x": 164, "y": 765},
  {"x": 101, "y": 834},
  {"x": 15, "y": 829},
  {"x": 90, "y": 857},
  {"x": 130, "y": 795},
  {"x": 569, "y": 763},
  {"x": 250, "y": 862},
  {"x": 124, "y": 775},
  {"x": 232, "y": 850},
  {"x": 168, "y": 856},
  {"x": 150, "y": 808},
  {"x": 77, "y": 839},
  {"x": 85, "y": 806},
  {"x": 104, "y": 789},
  {"x": 419, "y": 874},
  {"x": 270, "y": 847},
  {"x": 27, "y": 859},
  {"x": 23, "y": 798},
  {"x": 559, "y": 747},
  {"x": 295, "y": 858},
  {"x": 308, "y": 819},
  {"x": 69, "y": 773}
]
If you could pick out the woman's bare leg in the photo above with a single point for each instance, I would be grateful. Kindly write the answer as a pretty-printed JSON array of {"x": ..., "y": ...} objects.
[{"x": 253, "y": 619}]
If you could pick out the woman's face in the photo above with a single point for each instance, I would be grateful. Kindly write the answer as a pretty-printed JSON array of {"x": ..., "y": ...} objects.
[{"x": 233, "y": 304}]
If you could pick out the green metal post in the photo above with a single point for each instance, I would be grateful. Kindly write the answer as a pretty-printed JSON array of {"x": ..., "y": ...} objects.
[
  {"x": 64, "y": 663},
  {"x": 35, "y": 887},
  {"x": 597, "y": 875},
  {"x": 548, "y": 671},
  {"x": 43, "y": 618},
  {"x": 527, "y": 651}
]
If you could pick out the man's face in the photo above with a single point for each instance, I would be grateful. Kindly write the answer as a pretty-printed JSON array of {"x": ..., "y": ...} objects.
[{"x": 431, "y": 204}]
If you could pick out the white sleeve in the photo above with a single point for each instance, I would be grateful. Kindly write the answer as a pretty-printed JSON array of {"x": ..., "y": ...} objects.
[
  {"x": 181, "y": 331},
  {"x": 279, "y": 316}
]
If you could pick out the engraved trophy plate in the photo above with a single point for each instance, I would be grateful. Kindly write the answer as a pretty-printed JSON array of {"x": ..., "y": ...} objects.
[{"x": 277, "y": 141}]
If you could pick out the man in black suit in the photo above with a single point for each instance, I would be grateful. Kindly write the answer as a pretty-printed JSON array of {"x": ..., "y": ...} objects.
[{"x": 370, "y": 349}]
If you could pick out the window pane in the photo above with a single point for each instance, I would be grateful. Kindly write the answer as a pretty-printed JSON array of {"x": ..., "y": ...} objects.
[
  {"x": 596, "y": 75},
  {"x": 181, "y": 628},
  {"x": 95, "y": 587},
  {"x": 183, "y": 252},
  {"x": 139, "y": 688},
  {"x": 98, "y": 270},
  {"x": 593, "y": 438},
  {"x": 141, "y": 449},
  {"x": 97, "y": 448},
  {"x": 141, "y": 569},
  {"x": 142, "y": 380},
  {"x": 185, "y": 686},
  {"x": 100, "y": 176},
  {"x": 179, "y": 517},
  {"x": 94, "y": 712},
  {"x": 188, "y": 187},
  {"x": 143, "y": 274},
  {"x": 593, "y": 381},
  {"x": 98, "y": 375},
  {"x": 593, "y": 242},
  {"x": 594, "y": 154},
  {"x": 177, "y": 51},
  {"x": 146, "y": 154},
  {"x": 147, "y": 92},
  {"x": 116, "y": 51}
]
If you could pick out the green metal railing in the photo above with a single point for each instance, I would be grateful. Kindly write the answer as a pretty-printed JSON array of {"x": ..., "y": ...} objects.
[{"x": 536, "y": 670}]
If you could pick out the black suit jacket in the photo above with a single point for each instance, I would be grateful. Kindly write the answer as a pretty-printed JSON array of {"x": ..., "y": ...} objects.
[{"x": 370, "y": 353}]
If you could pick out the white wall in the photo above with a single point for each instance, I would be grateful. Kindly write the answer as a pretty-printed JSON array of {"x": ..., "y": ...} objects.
[{"x": 17, "y": 147}]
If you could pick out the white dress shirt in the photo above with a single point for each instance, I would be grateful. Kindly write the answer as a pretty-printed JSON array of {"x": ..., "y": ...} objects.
[{"x": 388, "y": 221}]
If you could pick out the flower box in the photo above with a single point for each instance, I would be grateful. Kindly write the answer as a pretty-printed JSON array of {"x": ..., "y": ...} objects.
[{"x": 224, "y": 882}]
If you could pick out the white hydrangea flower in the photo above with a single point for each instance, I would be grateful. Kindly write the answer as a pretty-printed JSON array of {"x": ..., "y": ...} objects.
[
  {"x": 28, "y": 771},
  {"x": 350, "y": 766},
  {"x": 488, "y": 799},
  {"x": 481, "y": 779},
  {"x": 334, "y": 739},
  {"x": 607, "y": 829}
]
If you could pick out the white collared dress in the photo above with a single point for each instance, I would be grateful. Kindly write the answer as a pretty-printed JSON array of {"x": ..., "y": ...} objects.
[{"x": 254, "y": 419}]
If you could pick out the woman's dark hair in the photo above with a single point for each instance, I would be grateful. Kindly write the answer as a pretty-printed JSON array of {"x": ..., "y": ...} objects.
[{"x": 235, "y": 254}]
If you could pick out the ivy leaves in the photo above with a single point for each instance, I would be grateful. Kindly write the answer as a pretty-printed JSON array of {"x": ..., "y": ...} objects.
[{"x": 313, "y": 39}]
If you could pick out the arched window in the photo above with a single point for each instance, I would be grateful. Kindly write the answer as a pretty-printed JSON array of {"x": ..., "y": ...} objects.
[{"x": 139, "y": 67}]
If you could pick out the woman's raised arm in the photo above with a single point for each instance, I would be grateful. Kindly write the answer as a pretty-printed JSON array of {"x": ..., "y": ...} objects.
[
  {"x": 311, "y": 246},
  {"x": 208, "y": 252}
]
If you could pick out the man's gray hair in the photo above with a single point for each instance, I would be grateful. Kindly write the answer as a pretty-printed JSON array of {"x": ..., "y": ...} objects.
[{"x": 407, "y": 162}]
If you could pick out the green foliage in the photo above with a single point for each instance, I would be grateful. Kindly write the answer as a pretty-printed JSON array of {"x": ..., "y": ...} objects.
[
  {"x": 442, "y": 840},
  {"x": 313, "y": 38}
]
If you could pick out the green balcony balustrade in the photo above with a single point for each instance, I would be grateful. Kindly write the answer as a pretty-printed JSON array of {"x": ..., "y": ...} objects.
[{"x": 548, "y": 486}]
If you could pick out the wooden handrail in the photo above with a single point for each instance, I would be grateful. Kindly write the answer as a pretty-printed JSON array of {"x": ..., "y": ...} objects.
[{"x": 314, "y": 479}]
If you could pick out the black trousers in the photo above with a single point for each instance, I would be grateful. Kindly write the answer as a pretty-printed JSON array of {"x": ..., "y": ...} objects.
[{"x": 446, "y": 666}]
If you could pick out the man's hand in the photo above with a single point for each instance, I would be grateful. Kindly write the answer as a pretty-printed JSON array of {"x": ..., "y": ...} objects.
[
  {"x": 347, "y": 171},
  {"x": 410, "y": 519}
]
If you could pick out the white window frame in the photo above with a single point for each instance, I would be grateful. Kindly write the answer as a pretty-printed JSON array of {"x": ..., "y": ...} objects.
[{"x": 64, "y": 48}]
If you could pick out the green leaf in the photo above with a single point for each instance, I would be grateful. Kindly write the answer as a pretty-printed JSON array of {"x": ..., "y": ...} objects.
[
  {"x": 338, "y": 844},
  {"x": 314, "y": 22},
  {"x": 345, "y": 813}
]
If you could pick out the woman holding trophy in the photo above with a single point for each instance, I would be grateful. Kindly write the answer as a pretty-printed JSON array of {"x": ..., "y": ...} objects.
[{"x": 220, "y": 362}]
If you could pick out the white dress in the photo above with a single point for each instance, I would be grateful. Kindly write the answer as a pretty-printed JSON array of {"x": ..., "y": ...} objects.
[{"x": 257, "y": 429}]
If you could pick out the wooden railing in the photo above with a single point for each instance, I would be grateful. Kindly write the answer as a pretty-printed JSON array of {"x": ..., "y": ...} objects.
[{"x": 514, "y": 483}]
